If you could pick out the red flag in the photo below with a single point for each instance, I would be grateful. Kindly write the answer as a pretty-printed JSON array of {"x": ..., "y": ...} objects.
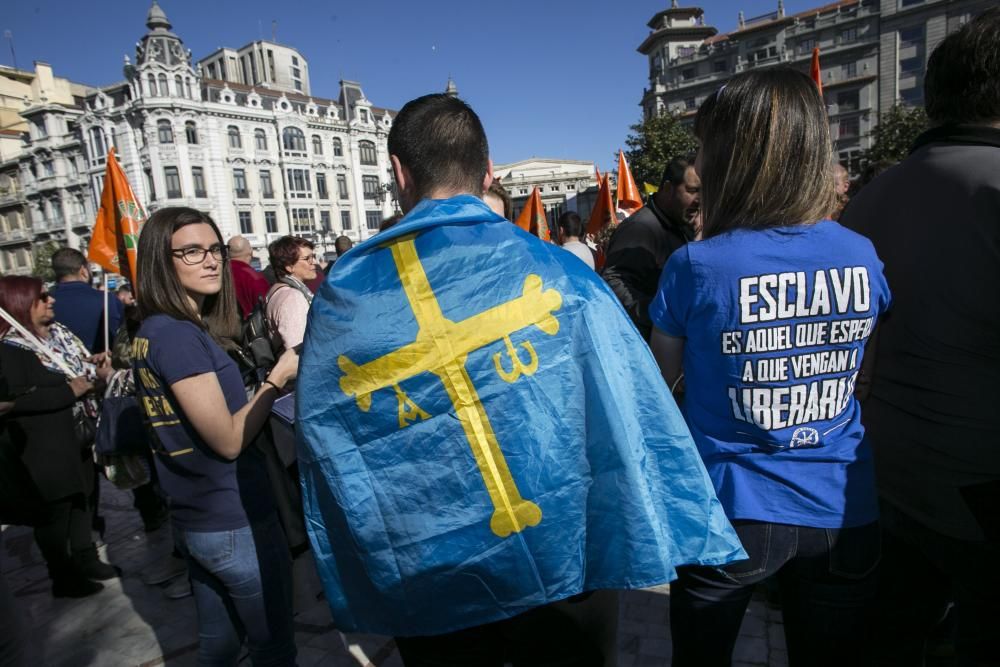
[
  {"x": 115, "y": 238},
  {"x": 532, "y": 217},
  {"x": 629, "y": 200},
  {"x": 603, "y": 212},
  {"x": 815, "y": 72}
]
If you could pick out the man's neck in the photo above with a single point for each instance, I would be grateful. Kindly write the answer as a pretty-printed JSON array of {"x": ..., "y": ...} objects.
[{"x": 73, "y": 279}]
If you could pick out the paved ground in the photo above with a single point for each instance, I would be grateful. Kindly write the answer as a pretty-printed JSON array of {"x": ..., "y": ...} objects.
[{"x": 130, "y": 623}]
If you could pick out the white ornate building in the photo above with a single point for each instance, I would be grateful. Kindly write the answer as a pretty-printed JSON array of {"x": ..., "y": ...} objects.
[
  {"x": 565, "y": 185},
  {"x": 260, "y": 158}
]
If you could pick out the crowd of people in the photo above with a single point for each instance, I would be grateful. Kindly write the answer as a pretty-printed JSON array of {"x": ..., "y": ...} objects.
[{"x": 778, "y": 378}]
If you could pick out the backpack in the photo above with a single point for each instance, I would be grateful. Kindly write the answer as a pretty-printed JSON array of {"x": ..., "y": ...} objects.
[{"x": 258, "y": 351}]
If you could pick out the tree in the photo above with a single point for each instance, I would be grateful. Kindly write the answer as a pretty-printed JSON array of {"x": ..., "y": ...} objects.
[
  {"x": 43, "y": 261},
  {"x": 895, "y": 133},
  {"x": 653, "y": 143}
]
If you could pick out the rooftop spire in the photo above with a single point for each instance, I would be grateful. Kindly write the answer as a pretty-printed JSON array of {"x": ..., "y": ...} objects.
[
  {"x": 156, "y": 18},
  {"x": 451, "y": 90}
]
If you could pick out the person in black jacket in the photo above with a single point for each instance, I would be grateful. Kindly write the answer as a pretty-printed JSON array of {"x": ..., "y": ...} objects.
[
  {"x": 643, "y": 242},
  {"x": 43, "y": 434}
]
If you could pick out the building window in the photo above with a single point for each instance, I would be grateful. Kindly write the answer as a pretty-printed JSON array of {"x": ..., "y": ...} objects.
[
  {"x": 97, "y": 139},
  {"x": 720, "y": 66},
  {"x": 317, "y": 145},
  {"x": 172, "y": 179},
  {"x": 178, "y": 86},
  {"x": 191, "y": 132},
  {"x": 298, "y": 85},
  {"x": 345, "y": 220},
  {"x": 164, "y": 91},
  {"x": 338, "y": 147},
  {"x": 292, "y": 139},
  {"x": 299, "y": 183},
  {"x": 324, "y": 220},
  {"x": 234, "y": 137},
  {"x": 260, "y": 139},
  {"x": 687, "y": 73},
  {"x": 689, "y": 104},
  {"x": 198, "y": 177},
  {"x": 370, "y": 187},
  {"x": 363, "y": 115},
  {"x": 373, "y": 219},
  {"x": 912, "y": 65},
  {"x": 240, "y": 183},
  {"x": 303, "y": 220},
  {"x": 48, "y": 168},
  {"x": 190, "y": 91},
  {"x": 848, "y": 128},
  {"x": 909, "y": 3},
  {"x": 151, "y": 80},
  {"x": 848, "y": 35},
  {"x": 165, "y": 132},
  {"x": 266, "y": 187},
  {"x": 342, "y": 186},
  {"x": 806, "y": 46},
  {"x": 271, "y": 222},
  {"x": 848, "y": 101},
  {"x": 571, "y": 186},
  {"x": 246, "y": 222},
  {"x": 321, "y": 190},
  {"x": 913, "y": 36},
  {"x": 149, "y": 185},
  {"x": 913, "y": 96},
  {"x": 850, "y": 70},
  {"x": 367, "y": 152}
]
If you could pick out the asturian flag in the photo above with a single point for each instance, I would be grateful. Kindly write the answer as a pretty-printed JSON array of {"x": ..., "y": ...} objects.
[
  {"x": 115, "y": 237},
  {"x": 481, "y": 431}
]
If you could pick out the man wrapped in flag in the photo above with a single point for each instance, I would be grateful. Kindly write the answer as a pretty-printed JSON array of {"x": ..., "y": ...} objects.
[{"x": 481, "y": 430}]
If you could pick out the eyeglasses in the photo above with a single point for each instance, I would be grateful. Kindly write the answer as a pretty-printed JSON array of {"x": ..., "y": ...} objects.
[
  {"x": 196, "y": 255},
  {"x": 309, "y": 259},
  {"x": 44, "y": 296}
]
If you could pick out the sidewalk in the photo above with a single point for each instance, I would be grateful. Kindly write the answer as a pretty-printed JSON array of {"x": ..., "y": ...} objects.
[{"x": 130, "y": 623}]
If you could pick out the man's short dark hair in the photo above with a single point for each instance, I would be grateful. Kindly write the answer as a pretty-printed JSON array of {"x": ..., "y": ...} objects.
[
  {"x": 125, "y": 288},
  {"x": 342, "y": 244},
  {"x": 67, "y": 262},
  {"x": 676, "y": 168},
  {"x": 962, "y": 84},
  {"x": 441, "y": 141},
  {"x": 571, "y": 224}
]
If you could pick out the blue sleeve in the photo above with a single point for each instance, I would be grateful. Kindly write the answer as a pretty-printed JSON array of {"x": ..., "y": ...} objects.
[
  {"x": 178, "y": 351},
  {"x": 116, "y": 313},
  {"x": 671, "y": 306}
]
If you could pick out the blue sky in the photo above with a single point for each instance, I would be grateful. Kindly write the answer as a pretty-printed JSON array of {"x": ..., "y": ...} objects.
[{"x": 550, "y": 78}]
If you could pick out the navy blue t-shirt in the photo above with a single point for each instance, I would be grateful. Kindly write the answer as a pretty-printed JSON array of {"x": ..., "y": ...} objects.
[
  {"x": 207, "y": 492},
  {"x": 775, "y": 323}
]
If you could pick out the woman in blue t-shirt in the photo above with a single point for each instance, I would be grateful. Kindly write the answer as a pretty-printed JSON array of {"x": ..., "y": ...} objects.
[
  {"x": 768, "y": 318},
  {"x": 197, "y": 409}
]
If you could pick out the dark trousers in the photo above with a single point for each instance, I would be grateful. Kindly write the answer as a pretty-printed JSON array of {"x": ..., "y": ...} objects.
[
  {"x": 922, "y": 571},
  {"x": 66, "y": 531},
  {"x": 827, "y": 587},
  {"x": 13, "y": 641},
  {"x": 544, "y": 636}
]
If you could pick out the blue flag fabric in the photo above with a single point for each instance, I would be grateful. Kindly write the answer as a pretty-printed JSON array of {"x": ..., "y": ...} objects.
[{"x": 481, "y": 430}]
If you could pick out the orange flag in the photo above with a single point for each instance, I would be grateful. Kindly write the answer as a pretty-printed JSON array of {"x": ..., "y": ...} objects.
[
  {"x": 597, "y": 172},
  {"x": 815, "y": 72},
  {"x": 629, "y": 200},
  {"x": 532, "y": 217},
  {"x": 603, "y": 212},
  {"x": 115, "y": 238}
]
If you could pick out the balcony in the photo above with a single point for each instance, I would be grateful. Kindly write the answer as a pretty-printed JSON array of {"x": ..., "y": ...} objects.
[
  {"x": 11, "y": 196},
  {"x": 15, "y": 236}
]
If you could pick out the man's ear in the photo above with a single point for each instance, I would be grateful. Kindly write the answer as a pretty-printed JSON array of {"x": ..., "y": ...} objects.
[
  {"x": 401, "y": 174},
  {"x": 488, "y": 178}
]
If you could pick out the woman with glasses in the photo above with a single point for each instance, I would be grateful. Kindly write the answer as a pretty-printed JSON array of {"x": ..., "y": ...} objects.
[
  {"x": 767, "y": 316},
  {"x": 42, "y": 426},
  {"x": 201, "y": 423},
  {"x": 294, "y": 263}
]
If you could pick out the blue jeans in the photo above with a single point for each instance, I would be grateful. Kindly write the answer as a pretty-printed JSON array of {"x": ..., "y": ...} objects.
[
  {"x": 242, "y": 585},
  {"x": 827, "y": 584}
]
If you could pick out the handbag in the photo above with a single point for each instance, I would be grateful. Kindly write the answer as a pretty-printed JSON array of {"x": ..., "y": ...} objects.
[
  {"x": 120, "y": 430},
  {"x": 84, "y": 428}
]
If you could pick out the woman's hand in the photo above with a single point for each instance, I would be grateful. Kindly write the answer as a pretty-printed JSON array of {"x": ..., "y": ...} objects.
[
  {"x": 104, "y": 369},
  {"x": 80, "y": 386},
  {"x": 286, "y": 369}
]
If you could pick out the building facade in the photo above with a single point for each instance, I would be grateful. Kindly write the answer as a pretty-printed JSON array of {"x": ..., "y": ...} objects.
[
  {"x": 873, "y": 54},
  {"x": 261, "y": 158},
  {"x": 565, "y": 185}
]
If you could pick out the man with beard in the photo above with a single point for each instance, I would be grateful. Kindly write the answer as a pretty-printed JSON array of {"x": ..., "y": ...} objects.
[{"x": 644, "y": 241}]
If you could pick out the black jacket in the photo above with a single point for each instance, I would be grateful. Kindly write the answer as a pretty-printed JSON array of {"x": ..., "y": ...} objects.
[
  {"x": 636, "y": 254},
  {"x": 40, "y": 426}
]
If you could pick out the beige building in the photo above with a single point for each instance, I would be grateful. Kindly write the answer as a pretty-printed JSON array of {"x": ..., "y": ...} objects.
[
  {"x": 40, "y": 183},
  {"x": 873, "y": 54},
  {"x": 565, "y": 185}
]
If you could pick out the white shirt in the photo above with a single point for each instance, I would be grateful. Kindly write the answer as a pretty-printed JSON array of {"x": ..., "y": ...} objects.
[{"x": 581, "y": 250}]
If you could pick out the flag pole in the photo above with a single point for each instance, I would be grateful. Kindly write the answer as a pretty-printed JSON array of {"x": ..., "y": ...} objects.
[{"x": 104, "y": 278}]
